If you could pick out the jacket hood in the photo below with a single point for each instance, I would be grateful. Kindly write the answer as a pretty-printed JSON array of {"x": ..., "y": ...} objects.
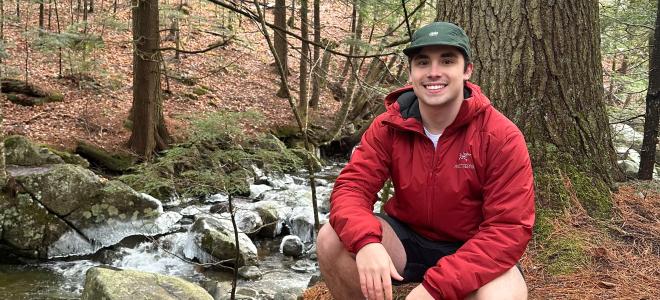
[{"x": 403, "y": 108}]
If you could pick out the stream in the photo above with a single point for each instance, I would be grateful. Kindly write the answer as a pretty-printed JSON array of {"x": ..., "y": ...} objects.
[{"x": 283, "y": 277}]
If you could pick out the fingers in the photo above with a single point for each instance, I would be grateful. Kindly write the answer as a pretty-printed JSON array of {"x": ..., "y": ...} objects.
[
  {"x": 378, "y": 284},
  {"x": 371, "y": 287},
  {"x": 387, "y": 286},
  {"x": 363, "y": 285},
  {"x": 394, "y": 273}
]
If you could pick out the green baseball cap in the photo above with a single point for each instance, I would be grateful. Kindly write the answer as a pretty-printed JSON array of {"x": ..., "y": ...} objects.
[{"x": 439, "y": 34}]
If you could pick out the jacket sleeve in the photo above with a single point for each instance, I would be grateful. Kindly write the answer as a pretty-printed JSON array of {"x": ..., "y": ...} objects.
[
  {"x": 508, "y": 211},
  {"x": 356, "y": 188}
]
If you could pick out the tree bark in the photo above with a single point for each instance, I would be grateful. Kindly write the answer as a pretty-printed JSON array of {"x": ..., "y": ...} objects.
[
  {"x": 316, "y": 73},
  {"x": 540, "y": 64},
  {"x": 647, "y": 163},
  {"x": 304, "y": 62},
  {"x": 148, "y": 133},
  {"x": 281, "y": 46}
]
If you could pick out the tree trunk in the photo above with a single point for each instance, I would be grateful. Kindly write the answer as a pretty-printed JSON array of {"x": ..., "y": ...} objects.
[
  {"x": 316, "y": 74},
  {"x": 355, "y": 16},
  {"x": 41, "y": 15},
  {"x": 647, "y": 154},
  {"x": 540, "y": 64},
  {"x": 148, "y": 133},
  {"x": 304, "y": 61},
  {"x": 281, "y": 47}
]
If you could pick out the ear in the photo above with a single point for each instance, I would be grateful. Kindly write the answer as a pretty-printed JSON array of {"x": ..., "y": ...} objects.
[{"x": 468, "y": 71}]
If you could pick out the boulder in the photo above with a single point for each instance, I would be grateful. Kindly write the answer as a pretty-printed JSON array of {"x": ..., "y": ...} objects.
[
  {"x": 249, "y": 272},
  {"x": 111, "y": 284},
  {"x": 211, "y": 240},
  {"x": 273, "y": 214},
  {"x": 626, "y": 136},
  {"x": 292, "y": 246},
  {"x": 20, "y": 151},
  {"x": 630, "y": 168},
  {"x": 301, "y": 223},
  {"x": 72, "y": 211}
]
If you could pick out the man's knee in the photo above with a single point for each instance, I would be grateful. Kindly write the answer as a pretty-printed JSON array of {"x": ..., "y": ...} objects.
[
  {"x": 510, "y": 285},
  {"x": 327, "y": 242}
]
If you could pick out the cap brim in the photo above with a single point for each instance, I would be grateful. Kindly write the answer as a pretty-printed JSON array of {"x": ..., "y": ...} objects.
[{"x": 410, "y": 51}]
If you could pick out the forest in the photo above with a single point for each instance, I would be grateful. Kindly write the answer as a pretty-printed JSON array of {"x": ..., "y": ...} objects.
[{"x": 190, "y": 147}]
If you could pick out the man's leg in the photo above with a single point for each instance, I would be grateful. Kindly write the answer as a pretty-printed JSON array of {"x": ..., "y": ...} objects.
[
  {"x": 510, "y": 285},
  {"x": 338, "y": 265}
]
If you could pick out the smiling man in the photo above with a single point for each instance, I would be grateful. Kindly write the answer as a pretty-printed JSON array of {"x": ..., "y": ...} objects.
[{"x": 463, "y": 208}]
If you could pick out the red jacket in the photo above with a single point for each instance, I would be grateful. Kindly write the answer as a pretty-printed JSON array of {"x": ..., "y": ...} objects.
[{"x": 476, "y": 187}]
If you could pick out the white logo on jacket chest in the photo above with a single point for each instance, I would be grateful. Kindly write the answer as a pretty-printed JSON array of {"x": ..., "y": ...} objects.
[{"x": 464, "y": 161}]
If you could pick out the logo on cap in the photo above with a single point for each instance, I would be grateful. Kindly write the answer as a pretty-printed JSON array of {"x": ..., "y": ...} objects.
[{"x": 434, "y": 33}]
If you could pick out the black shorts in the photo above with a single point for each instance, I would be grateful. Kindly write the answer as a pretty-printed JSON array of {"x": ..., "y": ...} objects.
[{"x": 421, "y": 253}]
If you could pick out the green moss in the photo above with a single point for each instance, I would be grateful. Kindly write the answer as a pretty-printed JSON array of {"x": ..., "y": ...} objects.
[
  {"x": 564, "y": 254},
  {"x": 200, "y": 91},
  {"x": 278, "y": 161},
  {"x": 560, "y": 180},
  {"x": 55, "y": 97}
]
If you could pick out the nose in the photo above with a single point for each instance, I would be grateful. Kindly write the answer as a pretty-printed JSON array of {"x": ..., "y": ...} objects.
[{"x": 435, "y": 71}]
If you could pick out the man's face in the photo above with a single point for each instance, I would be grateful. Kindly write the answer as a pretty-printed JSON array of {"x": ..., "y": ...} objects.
[{"x": 437, "y": 74}]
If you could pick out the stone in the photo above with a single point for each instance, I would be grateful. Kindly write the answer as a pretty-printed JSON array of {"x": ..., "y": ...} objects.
[
  {"x": 75, "y": 212},
  {"x": 273, "y": 214},
  {"x": 625, "y": 135},
  {"x": 20, "y": 151},
  {"x": 630, "y": 168},
  {"x": 250, "y": 272},
  {"x": 256, "y": 190},
  {"x": 117, "y": 284},
  {"x": 301, "y": 223},
  {"x": 292, "y": 246},
  {"x": 212, "y": 241},
  {"x": 248, "y": 221}
]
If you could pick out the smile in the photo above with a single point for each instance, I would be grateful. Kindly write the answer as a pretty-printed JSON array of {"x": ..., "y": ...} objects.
[{"x": 435, "y": 87}]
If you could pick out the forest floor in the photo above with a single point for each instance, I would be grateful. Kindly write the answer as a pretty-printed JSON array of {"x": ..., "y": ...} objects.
[{"x": 623, "y": 254}]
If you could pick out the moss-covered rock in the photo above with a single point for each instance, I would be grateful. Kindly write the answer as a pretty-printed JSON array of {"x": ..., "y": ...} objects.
[
  {"x": 216, "y": 238},
  {"x": 116, "y": 284},
  {"x": 62, "y": 188},
  {"x": 28, "y": 227},
  {"x": 115, "y": 162},
  {"x": 70, "y": 158},
  {"x": 20, "y": 151}
]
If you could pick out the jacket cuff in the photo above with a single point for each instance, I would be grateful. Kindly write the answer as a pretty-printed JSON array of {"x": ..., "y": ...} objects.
[
  {"x": 363, "y": 242},
  {"x": 436, "y": 294}
]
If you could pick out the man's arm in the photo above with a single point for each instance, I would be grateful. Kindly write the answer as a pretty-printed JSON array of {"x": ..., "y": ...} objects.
[
  {"x": 356, "y": 188},
  {"x": 508, "y": 211}
]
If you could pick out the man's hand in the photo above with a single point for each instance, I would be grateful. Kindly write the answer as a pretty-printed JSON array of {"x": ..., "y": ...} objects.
[
  {"x": 419, "y": 292},
  {"x": 376, "y": 272}
]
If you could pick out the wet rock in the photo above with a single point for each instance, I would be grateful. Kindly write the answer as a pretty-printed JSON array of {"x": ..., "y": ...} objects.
[
  {"x": 629, "y": 168},
  {"x": 304, "y": 266},
  {"x": 220, "y": 208},
  {"x": 67, "y": 210},
  {"x": 217, "y": 198},
  {"x": 214, "y": 288},
  {"x": 292, "y": 246},
  {"x": 249, "y": 272},
  {"x": 248, "y": 221},
  {"x": 257, "y": 190},
  {"x": 212, "y": 241},
  {"x": 284, "y": 296},
  {"x": 111, "y": 284},
  {"x": 301, "y": 223},
  {"x": 273, "y": 214}
]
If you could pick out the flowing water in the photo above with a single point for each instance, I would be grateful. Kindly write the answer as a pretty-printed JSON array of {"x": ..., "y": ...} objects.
[{"x": 64, "y": 279}]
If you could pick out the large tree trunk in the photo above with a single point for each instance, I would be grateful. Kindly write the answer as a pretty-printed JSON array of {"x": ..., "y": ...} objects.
[
  {"x": 149, "y": 133},
  {"x": 281, "y": 47},
  {"x": 540, "y": 64},
  {"x": 647, "y": 154}
]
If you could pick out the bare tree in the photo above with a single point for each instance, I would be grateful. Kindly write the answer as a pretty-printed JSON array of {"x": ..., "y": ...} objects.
[
  {"x": 281, "y": 46},
  {"x": 647, "y": 162}
]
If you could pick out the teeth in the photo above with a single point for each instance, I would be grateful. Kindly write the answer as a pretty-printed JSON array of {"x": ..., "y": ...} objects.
[{"x": 435, "y": 87}]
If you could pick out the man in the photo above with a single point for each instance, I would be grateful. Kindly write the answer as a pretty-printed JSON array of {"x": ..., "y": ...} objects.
[{"x": 463, "y": 209}]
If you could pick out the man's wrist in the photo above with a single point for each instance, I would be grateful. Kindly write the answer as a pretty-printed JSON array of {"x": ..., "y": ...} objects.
[{"x": 429, "y": 288}]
